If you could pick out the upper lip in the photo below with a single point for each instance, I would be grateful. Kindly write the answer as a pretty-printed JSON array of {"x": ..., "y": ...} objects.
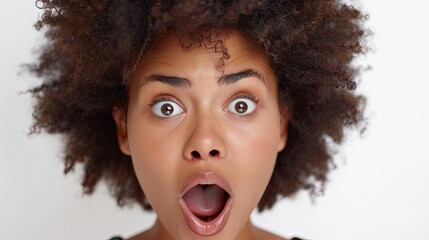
[{"x": 206, "y": 178}]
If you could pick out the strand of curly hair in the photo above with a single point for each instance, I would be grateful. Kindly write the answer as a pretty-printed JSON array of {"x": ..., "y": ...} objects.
[{"x": 94, "y": 47}]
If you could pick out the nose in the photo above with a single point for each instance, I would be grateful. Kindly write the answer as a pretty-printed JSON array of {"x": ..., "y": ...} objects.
[{"x": 205, "y": 141}]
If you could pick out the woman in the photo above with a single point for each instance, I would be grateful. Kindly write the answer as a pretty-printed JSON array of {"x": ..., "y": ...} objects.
[{"x": 200, "y": 110}]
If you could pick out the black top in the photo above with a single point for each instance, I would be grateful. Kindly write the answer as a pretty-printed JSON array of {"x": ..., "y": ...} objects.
[{"x": 119, "y": 238}]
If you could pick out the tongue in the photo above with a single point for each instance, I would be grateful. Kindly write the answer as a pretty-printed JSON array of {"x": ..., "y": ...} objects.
[{"x": 205, "y": 201}]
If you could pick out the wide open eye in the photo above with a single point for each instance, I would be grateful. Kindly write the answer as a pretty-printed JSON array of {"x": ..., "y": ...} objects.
[
  {"x": 166, "y": 108},
  {"x": 242, "y": 106}
]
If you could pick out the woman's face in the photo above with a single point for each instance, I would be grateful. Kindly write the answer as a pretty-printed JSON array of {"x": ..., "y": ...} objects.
[{"x": 203, "y": 140}]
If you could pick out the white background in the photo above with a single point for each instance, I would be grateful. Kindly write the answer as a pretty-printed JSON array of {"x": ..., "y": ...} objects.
[{"x": 378, "y": 191}]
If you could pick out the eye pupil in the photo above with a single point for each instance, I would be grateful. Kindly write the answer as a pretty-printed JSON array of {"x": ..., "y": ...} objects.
[
  {"x": 241, "y": 107},
  {"x": 167, "y": 109}
]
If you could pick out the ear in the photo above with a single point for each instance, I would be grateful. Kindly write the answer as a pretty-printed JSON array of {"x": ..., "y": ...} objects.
[
  {"x": 284, "y": 119},
  {"x": 120, "y": 118}
]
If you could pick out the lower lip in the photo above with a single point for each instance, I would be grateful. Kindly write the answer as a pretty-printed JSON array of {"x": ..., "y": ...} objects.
[{"x": 207, "y": 228}]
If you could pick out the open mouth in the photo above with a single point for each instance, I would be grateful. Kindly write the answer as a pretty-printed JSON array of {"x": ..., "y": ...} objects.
[{"x": 206, "y": 201}]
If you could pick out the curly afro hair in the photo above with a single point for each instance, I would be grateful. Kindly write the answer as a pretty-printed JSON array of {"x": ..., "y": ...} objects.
[{"x": 94, "y": 47}]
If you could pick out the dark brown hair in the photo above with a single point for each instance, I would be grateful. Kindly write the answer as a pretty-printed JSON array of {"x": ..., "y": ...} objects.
[{"x": 94, "y": 46}]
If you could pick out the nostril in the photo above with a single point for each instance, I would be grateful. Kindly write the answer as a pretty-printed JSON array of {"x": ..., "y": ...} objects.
[
  {"x": 195, "y": 154},
  {"x": 214, "y": 153}
]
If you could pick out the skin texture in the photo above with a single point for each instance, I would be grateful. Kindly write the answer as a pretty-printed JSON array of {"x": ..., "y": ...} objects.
[
  {"x": 207, "y": 136},
  {"x": 98, "y": 52},
  {"x": 93, "y": 49}
]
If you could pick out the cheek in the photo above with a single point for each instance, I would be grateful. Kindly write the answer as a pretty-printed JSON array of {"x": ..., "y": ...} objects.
[
  {"x": 258, "y": 141},
  {"x": 152, "y": 143},
  {"x": 261, "y": 154},
  {"x": 154, "y": 160},
  {"x": 256, "y": 149}
]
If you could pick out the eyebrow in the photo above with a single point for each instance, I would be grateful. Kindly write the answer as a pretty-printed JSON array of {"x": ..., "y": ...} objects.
[
  {"x": 169, "y": 80},
  {"x": 226, "y": 79},
  {"x": 232, "y": 78}
]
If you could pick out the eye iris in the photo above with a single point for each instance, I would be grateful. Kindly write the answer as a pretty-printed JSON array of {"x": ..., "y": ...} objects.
[
  {"x": 241, "y": 107},
  {"x": 167, "y": 109}
]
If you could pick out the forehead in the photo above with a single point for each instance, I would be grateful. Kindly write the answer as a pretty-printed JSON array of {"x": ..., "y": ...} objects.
[
  {"x": 169, "y": 56},
  {"x": 229, "y": 48}
]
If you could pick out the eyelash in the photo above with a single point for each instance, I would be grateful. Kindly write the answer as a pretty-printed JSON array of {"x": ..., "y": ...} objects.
[
  {"x": 162, "y": 98},
  {"x": 239, "y": 95},
  {"x": 248, "y": 96}
]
